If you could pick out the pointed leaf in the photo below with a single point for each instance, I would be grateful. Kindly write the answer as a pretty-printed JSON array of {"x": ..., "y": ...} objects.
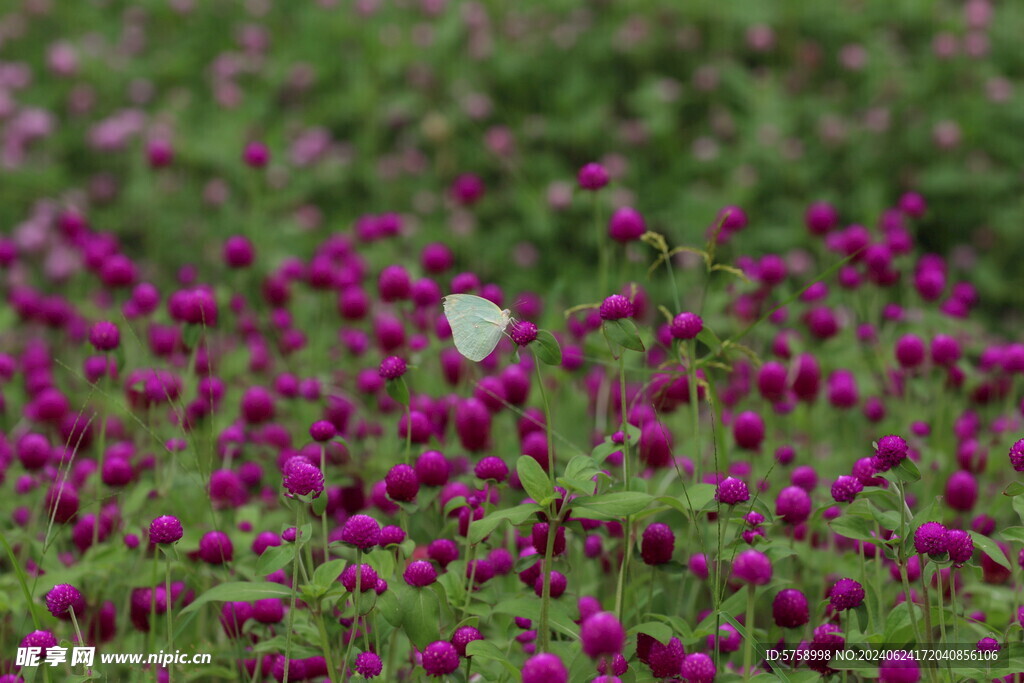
[
  {"x": 990, "y": 548},
  {"x": 611, "y": 506},
  {"x": 274, "y": 558},
  {"x": 239, "y": 591},
  {"x": 546, "y": 348},
  {"x": 623, "y": 332},
  {"x": 533, "y": 478},
  {"x": 479, "y": 529}
]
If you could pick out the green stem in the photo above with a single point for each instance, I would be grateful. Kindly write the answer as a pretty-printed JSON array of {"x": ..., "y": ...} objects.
[
  {"x": 78, "y": 632},
  {"x": 910, "y": 602},
  {"x": 627, "y": 556},
  {"x": 927, "y": 603},
  {"x": 748, "y": 643},
  {"x": 170, "y": 602},
  {"x": 355, "y": 622},
  {"x": 295, "y": 586},
  {"x": 325, "y": 642},
  {"x": 625, "y": 417},
  {"x": 554, "y": 521},
  {"x": 323, "y": 516},
  {"x": 691, "y": 377},
  {"x": 547, "y": 422}
]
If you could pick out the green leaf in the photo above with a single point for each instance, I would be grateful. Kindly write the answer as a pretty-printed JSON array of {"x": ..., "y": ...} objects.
[
  {"x": 239, "y": 591},
  {"x": 327, "y": 573},
  {"x": 697, "y": 495},
  {"x": 854, "y": 526},
  {"x": 485, "y": 650},
  {"x": 533, "y": 478},
  {"x": 398, "y": 390},
  {"x": 580, "y": 467},
  {"x": 558, "y": 614},
  {"x": 275, "y": 558},
  {"x": 546, "y": 348},
  {"x": 1013, "y": 534},
  {"x": 907, "y": 471},
  {"x": 610, "y": 506},
  {"x": 421, "y": 615},
  {"x": 989, "y": 547},
  {"x": 190, "y": 335},
  {"x": 655, "y": 629},
  {"x": 479, "y": 529},
  {"x": 390, "y": 608},
  {"x": 623, "y": 332},
  {"x": 707, "y": 337},
  {"x": 319, "y": 505},
  {"x": 1015, "y": 488}
]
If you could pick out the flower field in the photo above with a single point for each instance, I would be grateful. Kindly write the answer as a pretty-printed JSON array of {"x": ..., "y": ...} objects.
[{"x": 556, "y": 342}]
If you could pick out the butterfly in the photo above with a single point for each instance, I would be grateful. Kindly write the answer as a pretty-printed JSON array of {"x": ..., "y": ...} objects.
[{"x": 477, "y": 324}]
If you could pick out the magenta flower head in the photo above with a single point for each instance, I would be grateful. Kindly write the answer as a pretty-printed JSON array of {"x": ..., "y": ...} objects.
[
  {"x": 890, "y": 452},
  {"x": 931, "y": 539},
  {"x": 420, "y": 573},
  {"x": 467, "y": 189},
  {"x": 463, "y": 636},
  {"x": 522, "y": 332},
  {"x": 846, "y": 594},
  {"x": 959, "y": 545},
  {"x": 592, "y": 176},
  {"x": 821, "y": 217},
  {"x": 63, "y": 598},
  {"x": 752, "y": 567},
  {"x": 748, "y": 430},
  {"x": 166, "y": 529},
  {"x": 440, "y": 658},
  {"x": 256, "y": 155},
  {"x": 491, "y": 467},
  {"x": 402, "y": 482},
  {"x": 658, "y": 544},
  {"x": 616, "y": 307},
  {"x": 367, "y": 578},
  {"x": 793, "y": 504},
  {"x": 910, "y": 351},
  {"x": 361, "y": 531},
  {"x": 732, "y": 491},
  {"x": 626, "y": 225},
  {"x": 1017, "y": 455},
  {"x": 322, "y": 431},
  {"x": 104, "y": 336},
  {"x": 215, "y": 548},
  {"x": 368, "y": 665},
  {"x": 698, "y": 668},
  {"x": 790, "y": 609},
  {"x": 686, "y": 325},
  {"x": 846, "y": 488},
  {"x": 41, "y": 639},
  {"x": 392, "y": 367},
  {"x": 545, "y": 668},
  {"x": 899, "y": 667},
  {"x": 302, "y": 477},
  {"x": 602, "y": 635}
]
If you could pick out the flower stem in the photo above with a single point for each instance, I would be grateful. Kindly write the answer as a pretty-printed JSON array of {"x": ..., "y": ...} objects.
[
  {"x": 545, "y": 598},
  {"x": 170, "y": 602},
  {"x": 624, "y": 414},
  {"x": 355, "y": 621},
  {"x": 748, "y": 644},
  {"x": 627, "y": 556},
  {"x": 953, "y": 604},
  {"x": 291, "y": 607},
  {"x": 325, "y": 642},
  {"x": 927, "y": 602},
  {"x": 78, "y": 632},
  {"x": 547, "y": 422}
]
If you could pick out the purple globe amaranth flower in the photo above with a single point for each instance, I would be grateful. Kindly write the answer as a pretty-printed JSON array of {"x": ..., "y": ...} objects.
[
  {"x": 626, "y": 225},
  {"x": 666, "y": 660},
  {"x": 440, "y": 658},
  {"x": 63, "y": 598},
  {"x": 657, "y": 544},
  {"x": 732, "y": 491},
  {"x": 988, "y": 645},
  {"x": 1017, "y": 455},
  {"x": 686, "y": 325},
  {"x": 545, "y": 668},
  {"x": 899, "y": 667},
  {"x": 602, "y": 635},
  {"x": 402, "y": 483},
  {"x": 463, "y": 636},
  {"x": 961, "y": 491},
  {"x": 361, "y": 531},
  {"x": 433, "y": 469},
  {"x": 215, "y": 547},
  {"x": 698, "y": 668},
  {"x": 748, "y": 430},
  {"x": 910, "y": 351},
  {"x": 616, "y": 307},
  {"x": 444, "y": 551},
  {"x": 752, "y": 567},
  {"x": 392, "y": 368},
  {"x": 366, "y": 577},
  {"x": 592, "y": 176},
  {"x": 821, "y": 217},
  {"x": 165, "y": 529},
  {"x": 846, "y": 594},
  {"x": 256, "y": 155},
  {"x": 891, "y": 451},
  {"x": 104, "y": 336},
  {"x": 790, "y": 608},
  {"x": 268, "y": 610},
  {"x": 793, "y": 504},
  {"x": 302, "y": 478},
  {"x": 846, "y": 488},
  {"x": 491, "y": 467},
  {"x": 420, "y": 573},
  {"x": 522, "y": 332},
  {"x": 322, "y": 431},
  {"x": 959, "y": 545},
  {"x": 368, "y": 665},
  {"x": 558, "y": 585},
  {"x": 238, "y": 252},
  {"x": 539, "y": 538},
  {"x": 931, "y": 539}
]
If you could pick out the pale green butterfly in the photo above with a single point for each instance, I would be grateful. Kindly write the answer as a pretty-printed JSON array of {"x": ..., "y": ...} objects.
[{"x": 477, "y": 324}]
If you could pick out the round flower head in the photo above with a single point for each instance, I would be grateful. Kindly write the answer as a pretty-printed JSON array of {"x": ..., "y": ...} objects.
[
  {"x": 545, "y": 668},
  {"x": 752, "y": 567},
  {"x": 367, "y": 578},
  {"x": 658, "y": 544},
  {"x": 322, "y": 430},
  {"x": 368, "y": 665},
  {"x": 256, "y": 155},
  {"x": 166, "y": 529},
  {"x": 491, "y": 467},
  {"x": 846, "y": 594},
  {"x": 602, "y": 635},
  {"x": 891, "y": 451},
  {"x": 522, "y": 332},
  {"x": 790, "y": 609},
  {"x": 592, "y": 176},
  {"x": 626, "y": 225},
  {"x": 302, "y": 477},
  {"x": 392, "y": 367},
  {"x": 910, "y": 350},
  {"x": 732, "y": 491},
  {"x": 463, "y": 636},
  {"x": 391, "y": 535},
  {"x": 41, "y": 639},
  {"x": 698, "y": 668},
  {"x": 686, "y": 325},
  {"x": 1017, "y": 455},
  {"x": 616, "y": 307},
  {"x": 931, "y": 539},
  {"x": 62, "y": 598},
  {"x": 988, "y": 645},
  {"x": 361, "y": 531},
  {"x": 846, "y": 488},
  {"x": 558, "y": 585},
  {"x": 665, "y": 660},
  {"x": 402, "y": 483},
  {"x": 793, "y": 504},
  {"x": 959, "y": 545},
  {"x": 899, "y": 667},
  {"x": 215, "y": 548},
  {"x": 440, "y": 658},
  {"x": 420, "y": 573},
  {"x": 104, "y": 336}
]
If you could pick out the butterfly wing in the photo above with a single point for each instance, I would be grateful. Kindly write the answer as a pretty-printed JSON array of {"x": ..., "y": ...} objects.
[{"x": 476, "y": 324}]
